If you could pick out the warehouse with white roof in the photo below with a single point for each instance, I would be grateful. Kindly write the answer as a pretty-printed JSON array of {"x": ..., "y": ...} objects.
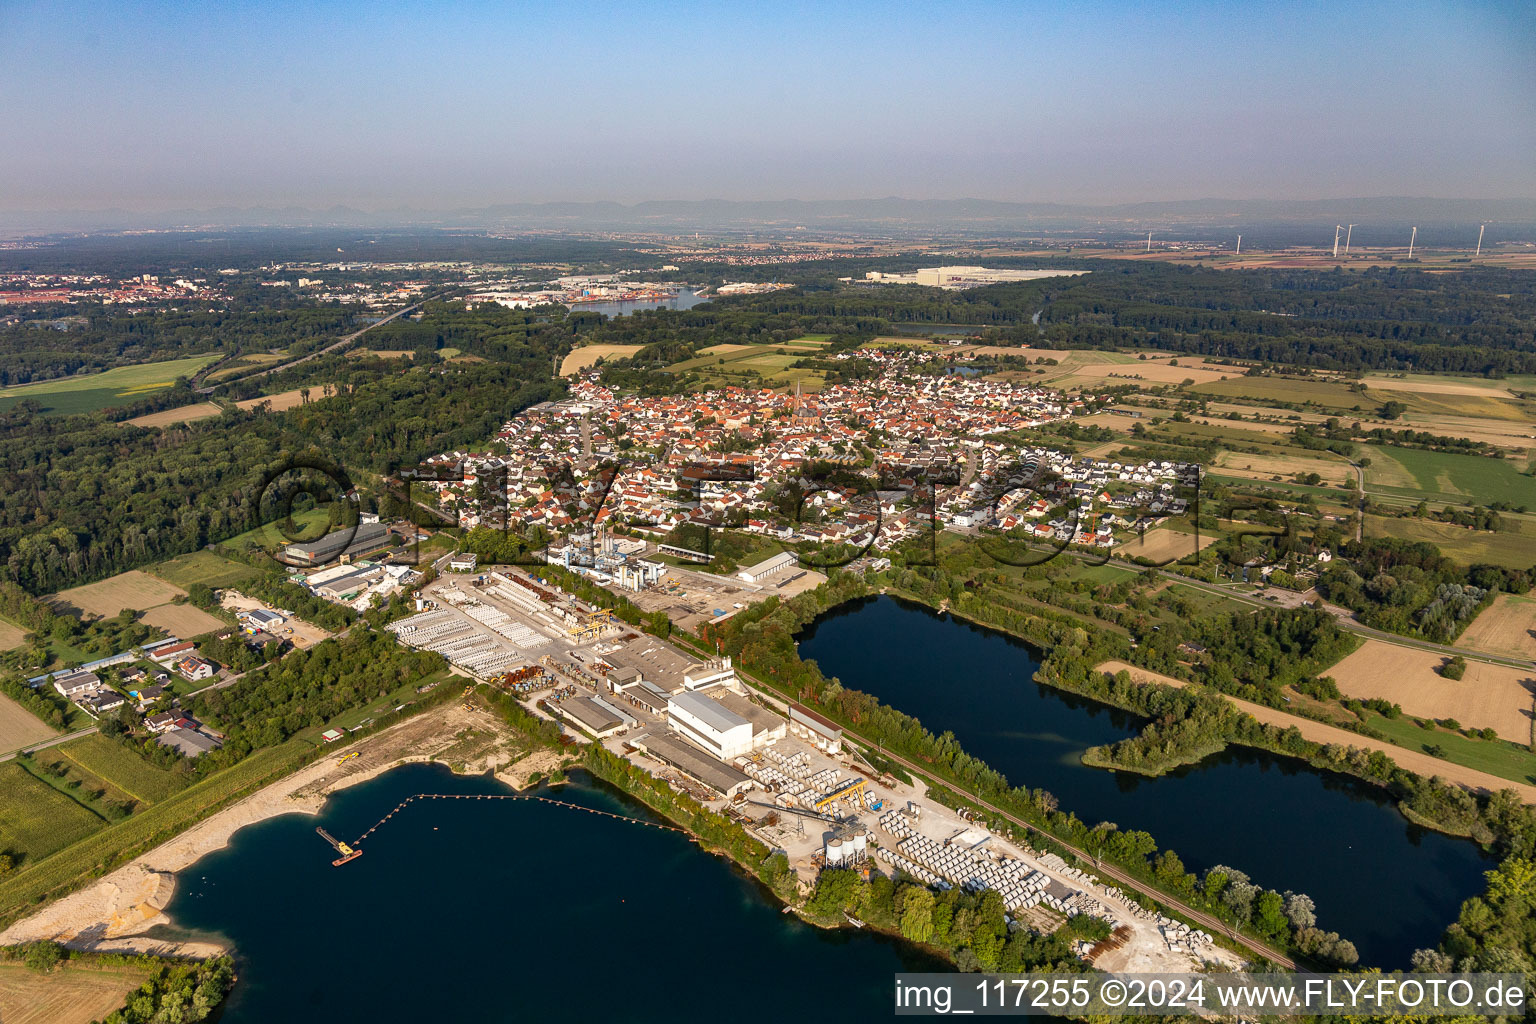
[{"x": 707, "y": 724}]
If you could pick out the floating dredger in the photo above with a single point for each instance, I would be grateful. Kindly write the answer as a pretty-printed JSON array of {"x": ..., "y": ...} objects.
[{"x": 347, "y": 852}]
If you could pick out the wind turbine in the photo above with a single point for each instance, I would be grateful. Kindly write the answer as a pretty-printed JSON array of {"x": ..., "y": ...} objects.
[
  {"x": 1338, "y": 229},
  {"x": 1480, "y": 229},
  {"x": 1411, "y": 239},
  {"x": 1149, "y": 241},
  {"x": 1347, "y": 236},
  {"x": 1239, "y": 245}
]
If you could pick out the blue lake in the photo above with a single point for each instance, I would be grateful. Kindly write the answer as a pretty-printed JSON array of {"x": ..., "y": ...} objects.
[{"x": 1387, "y": 885}]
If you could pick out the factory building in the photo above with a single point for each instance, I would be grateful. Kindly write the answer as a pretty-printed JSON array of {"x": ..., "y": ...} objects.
[
  {"x": 957, "y": 278},
  {"x": 808, "y": 725},
  {"x": 345, "y": 542},
  {"x": 258, "y": 619},
  {"x": 694, "y": 763},
  {"x": 639, "y": 574},
  {"x": 601, "y": 720},
  {"x": 721, "y": 733},
  {"x": 669, "y": 669},
  {"x": 715, "y": 672},
  {"x": 343, "y": 582},
  {"x": 769, "y": 567},
  {"x": 767, "y": 726}
]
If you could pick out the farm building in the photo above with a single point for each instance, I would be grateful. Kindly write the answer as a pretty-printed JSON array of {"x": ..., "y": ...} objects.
[{"x": 75, "y": 684}]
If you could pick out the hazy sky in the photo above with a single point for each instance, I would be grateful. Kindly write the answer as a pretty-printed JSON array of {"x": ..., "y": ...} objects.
[{"x": 373, "y": 104}]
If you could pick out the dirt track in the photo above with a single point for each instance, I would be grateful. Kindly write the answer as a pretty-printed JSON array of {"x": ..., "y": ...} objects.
[{"x": 1317, "y": 732}]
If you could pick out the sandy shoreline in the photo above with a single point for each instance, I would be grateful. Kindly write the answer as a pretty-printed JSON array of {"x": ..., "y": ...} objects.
[{"x": 112, "y": 913}]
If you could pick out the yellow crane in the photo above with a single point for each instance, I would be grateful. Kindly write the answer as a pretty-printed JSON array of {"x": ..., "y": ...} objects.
[{"x": 591, "y": 625}]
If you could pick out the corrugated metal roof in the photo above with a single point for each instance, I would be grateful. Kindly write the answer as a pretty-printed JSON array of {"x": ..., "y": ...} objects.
[{"x": 710, "y": 712}]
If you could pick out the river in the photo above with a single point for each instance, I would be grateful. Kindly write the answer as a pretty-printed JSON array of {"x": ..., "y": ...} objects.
[
  {"x": 502, "y": 911},
  {"x": 1387, "y": 885},
  {"x": 686, "y": 298}
]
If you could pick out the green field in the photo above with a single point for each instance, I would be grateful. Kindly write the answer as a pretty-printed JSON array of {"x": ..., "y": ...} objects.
[
  {"x": 1337, "y": 396},
  {"x": 93, "y": 391},
  {"x": 1209, "y": 603},
  {"x": 1326, "y": 394},
  {"x": 767, "y": 365},
  {"x": 246, "y": 363},
  {"x": 125, "y": 770},
  {"x": 84, "y": 786},
  {"x": 1507, "y": 760},
  {"x": 1101, "y": 573},
  {"x": 36, "y": 819},
  {"x": 1484, "y": 406},
  {"x": 91, "y": 853},
  {"x": 1235, "y": 433},
  {"x": 1470, "y": 479},
  {"x": 203, "y": 567},
  {"x": 268, "y": 536},
  {"x": 1513, "y": 550},
  {"x": 1321, "y": 493}
]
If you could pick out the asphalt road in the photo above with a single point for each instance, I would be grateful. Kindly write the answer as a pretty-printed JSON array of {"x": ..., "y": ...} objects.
[
  {"x": 50, "y": 743},
  {"x": 343, "y": 343}
]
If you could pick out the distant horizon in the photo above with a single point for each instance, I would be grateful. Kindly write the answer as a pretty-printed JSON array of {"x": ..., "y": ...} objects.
[
  {"x": 784, "y": 214},
  {"x": 494, "y": 203},
  {"x": 162, "y": 107}
]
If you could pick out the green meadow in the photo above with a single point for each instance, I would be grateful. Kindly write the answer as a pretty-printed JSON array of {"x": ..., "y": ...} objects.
[{"x": 92, "y": 391}]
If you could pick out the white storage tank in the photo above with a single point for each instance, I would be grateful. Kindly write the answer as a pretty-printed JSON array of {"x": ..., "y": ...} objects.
[{"x": 834, "y": 852}]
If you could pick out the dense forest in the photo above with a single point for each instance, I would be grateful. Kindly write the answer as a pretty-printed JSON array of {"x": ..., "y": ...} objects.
[
  {"x": 307, "y": 688},
  {"x": 82, "y": 497},
  {"x": 102, "y": 338},
  {"x": 1409, "y": 587},
  {"x": 1477, "y": 321},
  {"x": 250, "y": 249}
]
